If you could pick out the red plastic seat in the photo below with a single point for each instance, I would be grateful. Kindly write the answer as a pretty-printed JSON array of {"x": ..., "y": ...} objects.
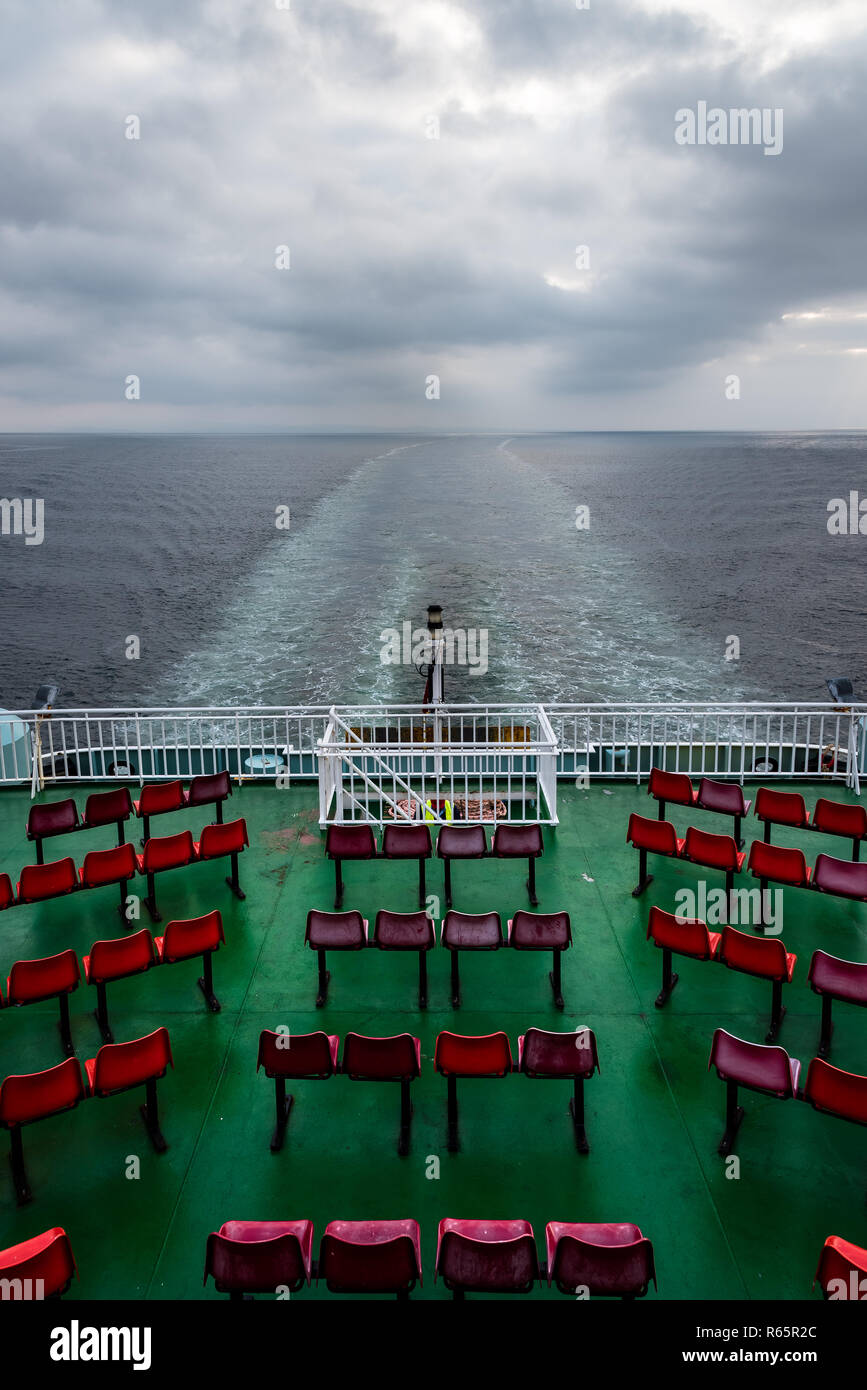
[
  {"x": 247, "y": 1257},
  {"x": 299, "y": 1057},
  {"x": 410, "y": 841},
  {"x": 121, "y": 1067},
  {"x": 161, "y": 853},
  {"x": 220, "y": 840},
  {"x": 767, "y": 959},
  {"x": 407, "y": 931},
  {"x": 836, "y": 1092},
  {"x": 781, "y": 808},
  {"x": 674, "y": 937},
  {"x": 54, "y": 818},
  {"x": 833, "y": 978},
  {"x": 158, "y": 799},
  {"x": 209, "y": 789},
  {"x": 836, "y": 818},
  {"x": 543, "y": 931},
  {"x": 115, "y": 960},
  {"x": 194, "y": 936},
  {"x": 844, "y": 878},
  {"x": 774, "y": 864},
  {"x": 520, "y": 842},
  {"x": 376, "y": 1257},
  {"x": 42, "y": 1267},
  {"x": 675, "y": 787},
  {"x": 459, "y": 842},
  {"x": 7, "y": 897},
  {"x": 712, "y": 851},
  {"x": 107, "y": 808},
  {"x": 52, "y": 977},
  {"x": 347, "y": 842},
  {"x": 599, "y": 1260},
  {"x": 41, "y": 881},
  {"x": 726, "y": 799},
  {"x": 385, "y": 1059},
  {"x": 105, "y": 866},
  {"x": 842, "y": 1270},
  {"x": 562, "y": 1056},
  {"x": 651, "y": 837},
  {"x": 465, "y": 931},
  {"x": 457, "y": 1056},
  {"x": 35, "y": 1096},
  {"x": 486, "y": 1256},
  {"x": 769, "y": 1070},
  {"x": 333, "y": 931}
]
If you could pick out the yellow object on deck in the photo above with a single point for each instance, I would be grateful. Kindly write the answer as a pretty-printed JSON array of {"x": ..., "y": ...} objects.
[{"x": 431, "y": 814}]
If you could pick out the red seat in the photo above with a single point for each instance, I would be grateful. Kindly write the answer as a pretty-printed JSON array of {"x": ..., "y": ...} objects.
[
  {"x": 842, "y": 1270},
  {"x": 769, "y": 1070},
  {"x": 36, "y": 1096},
  {"x": 562, "y": 1056},
  {"x": 120, "y": 1067},
  {"x": 460, "y": 842},
  {"x": 7, "y": 897},
  {"x": 456, "y": 1056},
  {"x": 247, "y": 1257},
  {"x": 115, "y": 960},
  {"x": 333, "y": 931},
  {"x": 520, "y": 842},
  {"x": 347, "y": 842},
  {"x": 410, "y": 841},
  {"x": 774, "y": 864},
  {"x": 377, "y": 1257},
  {"x": 52, "y": 977},
  {"x": 834, "y": 978},
  {"x": 194, "y": 936},
  {"x": 104, "y": 866},
  {"x": 55, "y": 818},
  {"x": 219, "y": 840},
  {"x": 605, "y": 1260},
  {"x": 209, "y": 789},
  {"x": 38, "y": 1268},
  {"x": 836, "y": 1092},
  {"x": 106, "y": 808},
  {"x": 465, "y": 931},
  {"x": 543, "y": 931},
  {"x": 712, "y": 851},
  {"x": 768, "y": 959},
  {"x": 675, "y": 787},
  {"x": 299, "y": 1056},
  {"x": 385, "y": 1059},
  {"x": 843, "y": 877},
  {"x": 689, "y": 938},
  {"x": 726, "y": 799},
  {"x": 161, "y": 853},
  {"x": 42, "y": 1267},
  {"x": 407, "y": 931},
  {"x": 41, "y": 881},
  {"x": 158, "y": 799},
  {"x": 651, "y": 837},
  {"x": 836, "y": 818},
  {"x": 486, "y": 1256},
  {"x": 781, "y": 808}
]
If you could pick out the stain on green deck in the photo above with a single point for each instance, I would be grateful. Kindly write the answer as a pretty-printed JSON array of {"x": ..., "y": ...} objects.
[{"x": 654, "y": 1115}]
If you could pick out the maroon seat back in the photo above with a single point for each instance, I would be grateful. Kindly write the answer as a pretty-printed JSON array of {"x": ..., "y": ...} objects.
[
  {"x": 842, "y": 877},
  {"x": 259, "y": 1256},
  {"x": 55, "y": 818},
  {"x": 381, "y": 1059},
  {"x": 208, "y": 788},
  {"x": 304, "y": 1056},
  {"x": 462, "y": 842},
  {"x": 611, "y": 1260},
  {"x": 540, "y": 931},
  {"x": 550, "y": 1055},
  {"x": 32, "y": 980},
  {"x": 335, "y": 931},
  {"x": 755, "y": 1065},
  {"x": 102, "y": 808},
  {"x": 7, "y": 896},
  {"x": 376, "y": 1257},
  {"x": 350, "y": 842},
  {"x": 487, "y": 1256},
  {"x": 407, "y": 841},
  {"x": 517, "y": 842},
  {"x": 725, "y": 797},
  {"x": 404, "y": 931},
  {"x": 35, "y": 1095}
]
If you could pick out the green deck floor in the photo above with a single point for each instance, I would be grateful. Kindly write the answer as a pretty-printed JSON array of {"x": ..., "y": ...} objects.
[{"x": 654, "y": 1115}]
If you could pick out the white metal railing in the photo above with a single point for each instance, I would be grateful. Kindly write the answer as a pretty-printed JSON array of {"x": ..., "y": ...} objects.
[{"x": 534, "y": 744}]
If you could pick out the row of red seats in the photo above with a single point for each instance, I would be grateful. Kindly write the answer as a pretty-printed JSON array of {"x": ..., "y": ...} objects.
[
  {"x": 772, "y": 807},
  {"x": 459, "y": 931},
  {"x": 116, "y": 1067},
  {"x": 599, "y": 1260},
  {"x": 772, "y": 1072},
  {"x": 56, "y": 977},
  {"x": 103, "y": 867},
  {"x": 841, "y": 878},
  {"x": 541, "y": 1055},
  {"x": 829, "y": 976},
  {"x": 116, "y": 806},
  {"x": 413, "y": 841}
]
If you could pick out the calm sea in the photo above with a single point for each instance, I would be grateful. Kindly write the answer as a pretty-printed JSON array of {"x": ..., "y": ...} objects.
[{"x": 693, "y": 539}]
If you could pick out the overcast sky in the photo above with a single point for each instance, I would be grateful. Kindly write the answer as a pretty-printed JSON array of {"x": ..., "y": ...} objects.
[{"x": 410, "y": 257}]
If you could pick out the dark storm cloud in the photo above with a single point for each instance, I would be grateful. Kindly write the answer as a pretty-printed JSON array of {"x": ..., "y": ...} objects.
[{"x": 411, "y": 256}]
